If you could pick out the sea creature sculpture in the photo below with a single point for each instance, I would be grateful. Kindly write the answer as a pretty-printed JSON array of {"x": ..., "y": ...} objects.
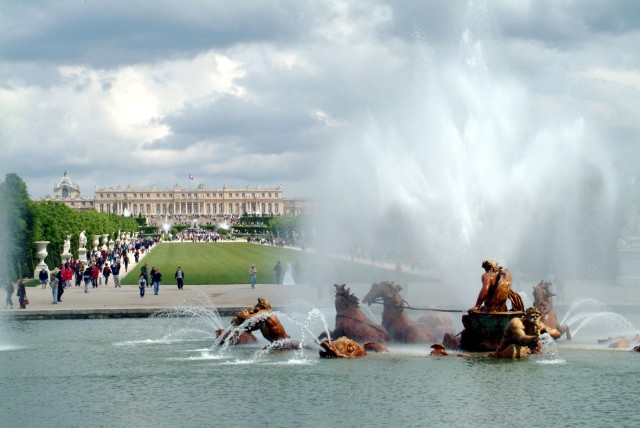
[
  {"x": 616, "y": 343},
  {"x": 342, "y": 347},
  {"x": 352, "y": 322},
  {"x": 236, "y": 338},
  {"x": 543, "y": 300},
  {"x": 261, "y": 318},
  {"x": 395, "y": 320}
]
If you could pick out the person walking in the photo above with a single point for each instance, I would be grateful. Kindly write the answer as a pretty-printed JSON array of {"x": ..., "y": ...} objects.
[
  {"x": 86, "y": 276},
  {"x": 180, "y": 278},
  {"x": 142, "y": 284},
  {"x": 95, "y": 274},
  {"x": 253, "y": 272},
  {"x": 278, "y": 270},
  {"x": 144, "y": 270},
  {"x": 115, "y": 271},
  {"x": 22, "y": 295},
  {"x": 156, "y": 277},
  {"x": 43, "y": 276},
  {"x": 60, "y": 284},
  {"x": 106, "y": 272},
  {"x": 54, "y": 289}
]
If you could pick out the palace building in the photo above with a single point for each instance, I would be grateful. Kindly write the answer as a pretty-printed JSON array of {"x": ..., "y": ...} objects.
[
  {"x": 178, "y": 200},
  {"x": 154, "y": 201}
]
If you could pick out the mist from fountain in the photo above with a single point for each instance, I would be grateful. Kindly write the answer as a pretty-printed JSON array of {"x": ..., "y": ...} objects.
[
  {"x": 596, "y": 320},
  {"x": 464, "y": 165}
]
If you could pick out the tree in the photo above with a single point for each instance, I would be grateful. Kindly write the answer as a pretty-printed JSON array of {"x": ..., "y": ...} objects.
[{"x": 17, "y": 225}]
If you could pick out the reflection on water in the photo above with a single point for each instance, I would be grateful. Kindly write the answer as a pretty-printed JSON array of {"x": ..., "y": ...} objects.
[{"x": 151, "y": 372}]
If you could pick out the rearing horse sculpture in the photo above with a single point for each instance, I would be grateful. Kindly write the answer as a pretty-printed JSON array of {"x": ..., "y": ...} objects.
[
  {"x": 352, "y": 322},
  {"x": 401, "y": 328},
  {"x": 543, "y": 300}
]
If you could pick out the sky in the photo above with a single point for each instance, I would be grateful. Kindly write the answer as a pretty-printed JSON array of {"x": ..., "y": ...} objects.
[
  {"x": 451, "y": 130},
  {"x": 262, "y": 92}
]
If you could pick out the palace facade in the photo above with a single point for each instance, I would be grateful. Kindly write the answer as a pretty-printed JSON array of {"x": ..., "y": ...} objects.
[
  {"x": 153, "y": 201},
  {"x": 203, "y": 201}
]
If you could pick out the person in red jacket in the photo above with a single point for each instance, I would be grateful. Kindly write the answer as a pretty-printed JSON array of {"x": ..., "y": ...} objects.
[
  {"x": 67, "y": 275},
  {"x": 95, "y": 274}
]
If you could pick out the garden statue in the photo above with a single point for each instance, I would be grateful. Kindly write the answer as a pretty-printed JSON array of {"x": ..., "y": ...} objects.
[
  {"x": 82, "y": 240},
  {"x": 66, "y": 245}
]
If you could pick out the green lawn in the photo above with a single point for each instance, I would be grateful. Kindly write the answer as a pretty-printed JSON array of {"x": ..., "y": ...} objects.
[{"x": 228, "y": 263}]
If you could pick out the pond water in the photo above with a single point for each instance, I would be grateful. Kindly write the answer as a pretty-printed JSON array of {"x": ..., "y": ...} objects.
[{"x": 164, "y": 371}]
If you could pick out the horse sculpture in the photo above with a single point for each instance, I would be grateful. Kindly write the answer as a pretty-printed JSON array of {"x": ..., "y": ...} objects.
[
  {"x": 352, "y": 322},
  {"x": 400, "y": 327},
  {"x": 543, "y": 300}
]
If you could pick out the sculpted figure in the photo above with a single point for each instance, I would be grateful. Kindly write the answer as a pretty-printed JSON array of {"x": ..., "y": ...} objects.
[
  {"x": 496, "y": 289},
  {"x": 66, "y": 245},
  {"x": 620, "y": 342},
  {"x": 262, "y": 319},
  {"x": 237, "y": 338},
  {"x": 395, "y": 320},
  {"x": 342, "y": 347},
  {"x": 82, "y": 240},
  {"x": 543, "y": 300},
  {"x": 352, "y": 322},
  {"x": 521, "y": 336}
]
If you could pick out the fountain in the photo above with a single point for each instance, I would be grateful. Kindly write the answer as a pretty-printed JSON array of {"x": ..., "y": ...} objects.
[{"x": 464, "y": 165}]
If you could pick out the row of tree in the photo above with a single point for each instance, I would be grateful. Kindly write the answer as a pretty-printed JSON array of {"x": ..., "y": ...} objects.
[{"x": 24, "y": 221}]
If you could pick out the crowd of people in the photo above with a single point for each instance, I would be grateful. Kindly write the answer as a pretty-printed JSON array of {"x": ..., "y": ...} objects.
[{"x": 102, "y": 266}]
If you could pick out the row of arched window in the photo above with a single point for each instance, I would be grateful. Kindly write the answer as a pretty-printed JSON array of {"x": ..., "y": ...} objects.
[{"x": 189, "y": 208}]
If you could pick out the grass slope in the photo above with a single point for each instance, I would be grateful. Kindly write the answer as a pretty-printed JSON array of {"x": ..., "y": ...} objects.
[{"x": 228, "y": 263}]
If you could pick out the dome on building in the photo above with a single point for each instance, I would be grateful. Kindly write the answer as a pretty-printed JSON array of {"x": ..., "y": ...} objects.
[{"x": 66, "y": 188}]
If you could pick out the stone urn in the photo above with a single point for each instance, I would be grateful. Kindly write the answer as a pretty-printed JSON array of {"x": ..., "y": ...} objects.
[
  {"x": 105, "y": 237},
  {"x": 95, "y": 242},
  {"x": 111, "y": 244},
  {"x": 41, "y": 253}
]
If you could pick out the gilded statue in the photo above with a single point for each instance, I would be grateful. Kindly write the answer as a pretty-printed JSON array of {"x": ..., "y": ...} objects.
[{"x": 496, "y": 290}]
